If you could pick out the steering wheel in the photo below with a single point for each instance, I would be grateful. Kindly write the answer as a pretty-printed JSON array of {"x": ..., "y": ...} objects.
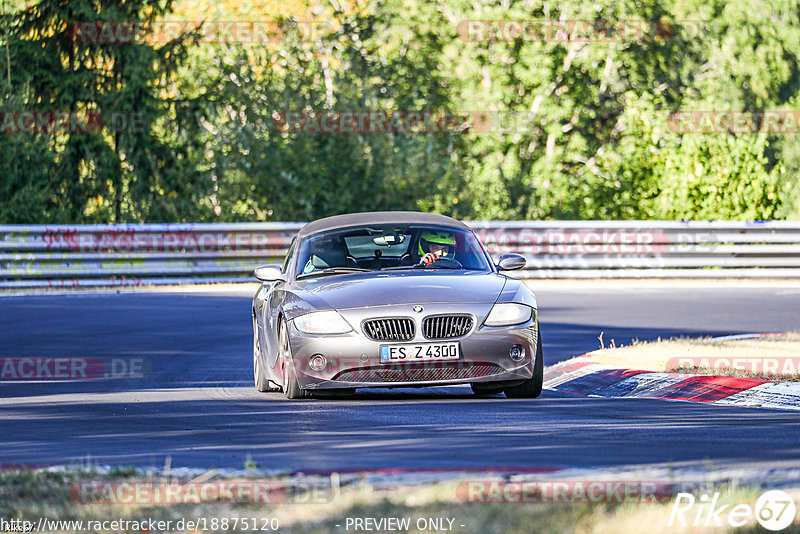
[{"x": 444, "y": 261}]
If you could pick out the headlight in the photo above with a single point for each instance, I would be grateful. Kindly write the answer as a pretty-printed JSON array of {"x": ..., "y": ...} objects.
[
  {"x": 508, "y": 314},
  {"x": 323, "y": 322}
]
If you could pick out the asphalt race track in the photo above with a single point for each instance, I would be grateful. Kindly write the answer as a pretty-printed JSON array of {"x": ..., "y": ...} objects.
[{"x": 197, "y": 405}]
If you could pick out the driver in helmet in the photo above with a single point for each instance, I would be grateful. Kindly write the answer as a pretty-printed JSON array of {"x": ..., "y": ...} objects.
[{"x": 435, "y": 245}]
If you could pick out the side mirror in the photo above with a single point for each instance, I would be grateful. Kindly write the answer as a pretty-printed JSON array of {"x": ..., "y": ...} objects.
[
  {"x": 511, "y": 262},
  {"x": 268, "y": 273}
]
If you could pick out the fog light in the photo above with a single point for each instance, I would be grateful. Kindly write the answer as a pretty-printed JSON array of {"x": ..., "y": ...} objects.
[
  {"x": 516, "y": 353},
  {"x": 317, "y": 362}
]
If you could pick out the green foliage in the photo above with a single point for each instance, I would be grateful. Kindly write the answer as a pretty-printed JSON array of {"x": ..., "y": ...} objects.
[
  {"x": 262, "y": 172},
  {"x": 595, "y": 145},
  {"x": 120, "y": 170},
  {"x": 589, "y": 136}
]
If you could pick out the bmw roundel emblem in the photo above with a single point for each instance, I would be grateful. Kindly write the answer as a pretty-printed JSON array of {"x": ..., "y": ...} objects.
[{"x": 417, "y": 308}]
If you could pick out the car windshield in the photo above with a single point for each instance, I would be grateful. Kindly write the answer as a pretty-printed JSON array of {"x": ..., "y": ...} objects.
[{"x": 390, "y": 248}]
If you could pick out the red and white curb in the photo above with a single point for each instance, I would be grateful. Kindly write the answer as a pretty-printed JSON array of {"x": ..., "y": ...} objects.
[{"x": 585, "y": 376}]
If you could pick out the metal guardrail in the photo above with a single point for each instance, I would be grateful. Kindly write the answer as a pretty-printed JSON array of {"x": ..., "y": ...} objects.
[{"x": 142, "y": 254}]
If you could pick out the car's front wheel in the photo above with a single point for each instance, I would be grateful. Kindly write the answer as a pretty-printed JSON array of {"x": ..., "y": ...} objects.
[
  {"x": 291, "y": 387},
  {"x": 261, "y": 382},
  {"x": 532, "y": 387}
]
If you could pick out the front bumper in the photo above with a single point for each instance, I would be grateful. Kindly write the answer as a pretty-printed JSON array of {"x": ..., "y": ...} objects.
[{"x": 353, "y": 360}]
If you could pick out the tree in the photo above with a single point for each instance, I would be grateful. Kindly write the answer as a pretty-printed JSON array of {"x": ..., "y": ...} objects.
[
  {"x": 347, "y": 61},
  {"x": 108, "y": 163},
  {"x": 582, "y": 149}
]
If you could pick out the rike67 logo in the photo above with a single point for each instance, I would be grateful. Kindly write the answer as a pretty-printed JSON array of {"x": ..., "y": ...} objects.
[{"x": 774, "y": 510}]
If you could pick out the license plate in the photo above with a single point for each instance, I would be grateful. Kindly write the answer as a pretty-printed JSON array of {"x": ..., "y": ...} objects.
[{"x": 416, "y": 352}]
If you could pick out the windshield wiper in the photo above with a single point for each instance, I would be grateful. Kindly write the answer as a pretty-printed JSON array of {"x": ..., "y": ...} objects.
[
  {"x": 401, "y": 267},
  {"x": 335, "y": 270},
  {"x": 421, "y": 266}
]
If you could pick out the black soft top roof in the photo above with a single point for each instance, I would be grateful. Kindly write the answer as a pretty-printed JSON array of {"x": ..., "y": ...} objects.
[{"x": 378, "y": 218}]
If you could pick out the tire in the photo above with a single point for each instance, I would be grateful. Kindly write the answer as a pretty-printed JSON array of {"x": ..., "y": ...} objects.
[
  {"x": 532, "y": 387},
  {"x": 260, "y": 378},
  {"x": 291, "y": 387}
]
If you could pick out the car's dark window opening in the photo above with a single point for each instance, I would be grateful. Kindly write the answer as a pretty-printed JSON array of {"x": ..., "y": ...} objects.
[
  {"x": 395, "y": 247},
  {"x": 360, "y": 247}
]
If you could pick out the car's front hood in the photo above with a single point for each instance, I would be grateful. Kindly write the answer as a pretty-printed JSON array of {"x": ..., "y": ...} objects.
[{"x": 402, "y": 287}]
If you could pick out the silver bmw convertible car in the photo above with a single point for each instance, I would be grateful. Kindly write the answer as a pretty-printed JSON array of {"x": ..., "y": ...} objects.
[{"x": 394, "y": 299}]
